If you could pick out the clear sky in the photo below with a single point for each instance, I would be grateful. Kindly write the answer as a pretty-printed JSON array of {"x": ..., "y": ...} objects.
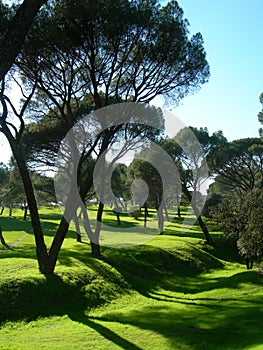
[{"x": 233, "y": 39}]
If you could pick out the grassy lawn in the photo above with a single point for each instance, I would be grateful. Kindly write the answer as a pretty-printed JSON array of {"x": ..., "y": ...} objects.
[{"x": 168, "y": 293}]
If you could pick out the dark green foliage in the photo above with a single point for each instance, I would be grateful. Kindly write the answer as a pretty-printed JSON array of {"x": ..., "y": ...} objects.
[
  {"x": 120, "y": 184},
  {"x": 3, "y": 174},
  {"x": 140, "y": 169},
  {"x": 113, "y": 44},
  {"x": 239, "y": 164},
  {"x": 242, "y": 219}
]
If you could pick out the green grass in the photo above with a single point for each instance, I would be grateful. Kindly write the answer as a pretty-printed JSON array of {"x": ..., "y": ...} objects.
[{"x": 170, "y": 293}]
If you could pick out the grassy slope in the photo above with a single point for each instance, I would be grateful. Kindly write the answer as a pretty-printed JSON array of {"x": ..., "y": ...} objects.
[{"x": 167, "y": 294}]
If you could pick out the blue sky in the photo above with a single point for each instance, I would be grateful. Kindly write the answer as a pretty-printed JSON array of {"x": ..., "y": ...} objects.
[{"x": 232, "y": 32}]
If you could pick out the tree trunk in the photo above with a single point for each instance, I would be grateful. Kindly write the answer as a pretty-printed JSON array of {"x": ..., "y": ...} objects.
[
  {"x": 41, "y": 250},
  {"x": 95, "y": 249},
  {"x": 95, "y": 245},
  {"x": 166, "y": 213},
  {"x": 93, "y": 236},
  {"x": 118, "y": 218},
  {"x": 25, "y": 211},
  {"x": 179, "y": 211},
  {"x": 2, "y": 210},
  {"x": 57, "y": 243},
  {"x": 145, "y": 214},
  {"x": 77, "y": 227},
  {"x": 160, "y": 219},
  {"x": 198, "y": 217},
  {"x": 2, "y": 237},
  {"x": 10, "y": 210}
]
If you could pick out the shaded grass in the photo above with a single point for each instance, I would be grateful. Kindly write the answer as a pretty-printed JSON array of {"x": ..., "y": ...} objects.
[{"x": 171, "y": 293}]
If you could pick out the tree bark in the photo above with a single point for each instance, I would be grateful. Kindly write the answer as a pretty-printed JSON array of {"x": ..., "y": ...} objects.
[
  {"x": 57, "y": 243},
  {"x": 160, "y": 219},
  {"x": 41, "y": 250},
  {"x": 25, "y": 211},
  {"x": 2, "y": 237},
  {"x": 179, "y": 211},
  {"x": 202, "y": 224},
  {"x": 145, "y": 214},
  {"x": 118, "y": 218},
  {"x": 198, "y": 216},
  {"x": 95, "y": 245},
  {"x": 95, "y": 249},
  {"x": 77, "y": 228},
  {"x": 116, "y": 212}
]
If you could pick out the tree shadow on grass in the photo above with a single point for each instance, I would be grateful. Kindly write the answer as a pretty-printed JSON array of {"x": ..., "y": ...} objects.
[
  {"x": 196, "y": 322},
  {"x": 52, "y": 296},
  {"x": 199, "y": 326},
  {"x": 105, "y": 332},
  {"x": 200, "y": 323},
  {"x": 14, "y": 224}
]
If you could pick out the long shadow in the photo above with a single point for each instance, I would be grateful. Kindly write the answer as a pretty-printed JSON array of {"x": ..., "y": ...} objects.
[
  {"x": 198, "y": 326},
  {"x": 53, "y": 297},
  {"x": 105, "y": 332}
]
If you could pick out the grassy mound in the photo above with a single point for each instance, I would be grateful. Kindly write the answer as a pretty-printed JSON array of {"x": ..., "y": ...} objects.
[
  {"x": 84, "y": 282},
  {"x": 171, "y": 293}
]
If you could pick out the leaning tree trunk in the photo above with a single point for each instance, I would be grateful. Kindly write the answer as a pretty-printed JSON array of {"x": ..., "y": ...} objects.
[
  {"x": 93, "y": 236},
  {"x": 198, "y": 217},
  {"x": 41, "y": 249},
  {"x": 95, "y": 244},
  {"x": 16, "y": 33},
  {"x": 57, "y": 243},
  {"x": 202, "y": 224}
]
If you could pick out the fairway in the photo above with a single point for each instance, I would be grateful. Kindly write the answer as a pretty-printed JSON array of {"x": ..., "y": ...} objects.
[{"x": 169, "y": 293}]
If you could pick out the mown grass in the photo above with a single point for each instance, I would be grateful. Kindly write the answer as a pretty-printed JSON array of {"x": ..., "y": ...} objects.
[{"x": 170, "y": 293}]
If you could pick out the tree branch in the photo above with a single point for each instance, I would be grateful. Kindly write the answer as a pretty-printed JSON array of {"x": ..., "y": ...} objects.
[{"x": 17, "y": 31}]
